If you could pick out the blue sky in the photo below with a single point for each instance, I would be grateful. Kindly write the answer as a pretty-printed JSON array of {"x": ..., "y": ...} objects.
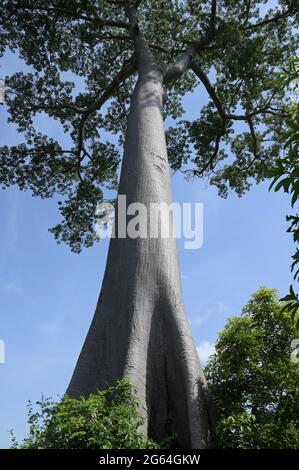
[{"x": 48, "y": 294}]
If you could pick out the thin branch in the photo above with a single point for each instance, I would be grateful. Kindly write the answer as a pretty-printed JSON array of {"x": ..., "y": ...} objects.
[
  {"x": 135, "y": 3},
  {"x": 112, "y": 36},
  {"x": 267, "y": 109},
  {"x": 248, "y": 11},
  {"x": 247, "y": 117},
  {"x": 63, "y": 11},
  {"x": 236, "y": 91},
  {"x": 127, "y": 70},
  {"x": 59, "y": 151},
  {"x": 56, "y": 108},
  {"x": 213, "y": 15},
  {"x": 264, "y": 110},
  {"x": 210, "y": 165},
  {"x": 254, "y": 138},
  {"x": 209, "y": 87},
  {"x": 274, "y": 19}
]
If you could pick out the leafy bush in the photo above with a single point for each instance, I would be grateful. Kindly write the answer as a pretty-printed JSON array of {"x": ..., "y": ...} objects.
[
  {"x": 108, "y": 419},
  {"x": 254, "y": 377}
]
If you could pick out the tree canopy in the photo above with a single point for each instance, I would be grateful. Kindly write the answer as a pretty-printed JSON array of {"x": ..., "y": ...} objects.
[
  {"x": 233, "y": 48},
  {"x": 254, "y": 377}
]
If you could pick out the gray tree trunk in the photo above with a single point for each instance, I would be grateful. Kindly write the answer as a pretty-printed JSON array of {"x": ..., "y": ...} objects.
[{"x": 140, "y": 328}]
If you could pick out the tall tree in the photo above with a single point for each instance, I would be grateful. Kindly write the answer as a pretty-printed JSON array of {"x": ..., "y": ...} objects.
[{"x": 138, "y": 58}]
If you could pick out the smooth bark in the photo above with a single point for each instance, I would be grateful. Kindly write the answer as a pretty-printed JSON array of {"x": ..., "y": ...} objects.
[{"x": 140, "y": 329}]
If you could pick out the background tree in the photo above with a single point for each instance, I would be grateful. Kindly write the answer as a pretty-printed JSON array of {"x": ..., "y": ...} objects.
[
  {"x": 232, "y": 48},
  {"x": 254, "y": 380}
]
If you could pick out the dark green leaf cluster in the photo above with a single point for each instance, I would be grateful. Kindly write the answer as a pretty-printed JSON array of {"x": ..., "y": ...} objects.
[{"x": 291, "y": 305}]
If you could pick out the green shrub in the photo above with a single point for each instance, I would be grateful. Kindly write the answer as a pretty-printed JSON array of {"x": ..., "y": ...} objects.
[{"x": 108, "y": 419}]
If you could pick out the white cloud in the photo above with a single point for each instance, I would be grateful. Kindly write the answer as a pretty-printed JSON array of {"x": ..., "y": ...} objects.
[
  {"x": 205, "y": 349},
  {"x": 2, "y": 352}
]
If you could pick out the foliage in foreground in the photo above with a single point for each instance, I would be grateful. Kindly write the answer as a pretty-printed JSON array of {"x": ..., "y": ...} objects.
[
  {"x": 108, "y": 419},
  {"x": 254, "y": 377},
  {"x": 285, "y": 173}
]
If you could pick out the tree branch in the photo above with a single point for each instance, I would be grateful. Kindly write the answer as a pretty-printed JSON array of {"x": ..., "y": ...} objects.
[
  {"x": 264, "y": 110},
  {"x": 254, "y": 138},
  {"x": 143, "y": 51},
  {"x": 213, "y": 16},
  {"x": 63, "y": 11},
  {"x": 135, "y": 3},
  {"x": 209, "y": 87},
  {"x": 127, "y": 70},
  {"x": 247, "y": 117},
  {"x": 55, "y": 108},
  {"x": 176, "y": 69},
  {"x": 219, "y": 105},
  {"x": 212, "y": 160},
  {"x": 275, "y": 19}
]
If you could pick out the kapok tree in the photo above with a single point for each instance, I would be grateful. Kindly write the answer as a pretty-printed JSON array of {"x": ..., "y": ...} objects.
[{"x": 138, "y": 58}]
